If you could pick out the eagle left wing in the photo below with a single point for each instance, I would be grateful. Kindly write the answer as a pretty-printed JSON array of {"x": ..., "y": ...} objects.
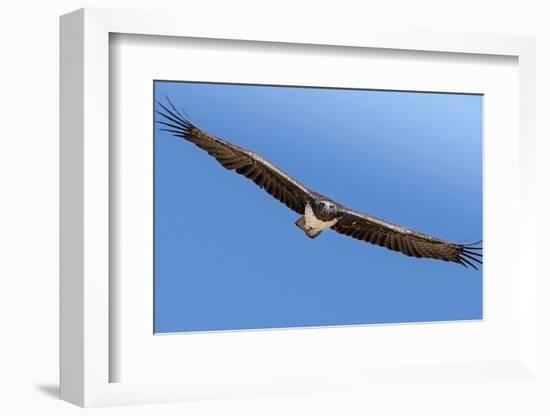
[
  {"x": 411, "y": 243},
  {"x": 244, "y": 162}
]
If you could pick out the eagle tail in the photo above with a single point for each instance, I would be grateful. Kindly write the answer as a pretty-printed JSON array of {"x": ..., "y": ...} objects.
[{"x": 301, "y": 224}]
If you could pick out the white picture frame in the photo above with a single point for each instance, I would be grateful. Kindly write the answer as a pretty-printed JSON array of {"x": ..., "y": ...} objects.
[{"x": 87, "y": 329}]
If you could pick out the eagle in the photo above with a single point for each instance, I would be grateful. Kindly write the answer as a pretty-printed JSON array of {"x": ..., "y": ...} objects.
[{"x": 317, "y": 212}]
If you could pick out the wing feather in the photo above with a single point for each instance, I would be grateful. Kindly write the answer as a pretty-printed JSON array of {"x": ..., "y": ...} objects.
[
  {"x": 411, "y": 243},
  {"x": 232, "y": 157}
]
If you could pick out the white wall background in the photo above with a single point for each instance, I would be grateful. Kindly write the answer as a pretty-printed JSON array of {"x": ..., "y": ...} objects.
[{"x": 29, "y": 206}]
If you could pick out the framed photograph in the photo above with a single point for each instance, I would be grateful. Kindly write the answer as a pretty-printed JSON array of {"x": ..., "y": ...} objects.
[
  {"x": 217, "y": 236},
  {"x": 268, "y": 212}
]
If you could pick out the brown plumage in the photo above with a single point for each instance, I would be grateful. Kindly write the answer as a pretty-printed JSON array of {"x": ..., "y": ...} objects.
[
  {"x": 297, "y": 197},
  {"x": 411, "y": 243},
  {"x": 267, "y": 176}
]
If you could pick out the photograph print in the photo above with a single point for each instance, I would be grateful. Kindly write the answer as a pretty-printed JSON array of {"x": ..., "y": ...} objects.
[{"x": 295, "y": 207}]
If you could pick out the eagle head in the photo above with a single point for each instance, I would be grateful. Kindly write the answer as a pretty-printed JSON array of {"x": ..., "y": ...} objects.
[{"x": 325, "y": 209}]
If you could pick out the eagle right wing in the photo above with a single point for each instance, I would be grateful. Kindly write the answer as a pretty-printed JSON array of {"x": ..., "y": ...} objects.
[
  {"x": 249, "y": 164},
  {"x": 411, "y": 243}
]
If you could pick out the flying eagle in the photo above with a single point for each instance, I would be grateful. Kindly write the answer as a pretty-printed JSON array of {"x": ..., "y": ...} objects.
[{"x": 317, "y": 211}]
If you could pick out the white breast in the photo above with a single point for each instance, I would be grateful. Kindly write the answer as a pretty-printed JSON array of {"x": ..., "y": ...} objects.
[{"x": 314, "y": 223}]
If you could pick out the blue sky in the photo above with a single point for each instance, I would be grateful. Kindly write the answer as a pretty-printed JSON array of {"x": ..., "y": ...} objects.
[{"x": 228, "y": 256}]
